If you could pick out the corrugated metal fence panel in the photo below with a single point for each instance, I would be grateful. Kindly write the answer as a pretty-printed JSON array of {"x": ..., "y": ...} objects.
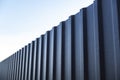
[{"x": 84, "y": 47}]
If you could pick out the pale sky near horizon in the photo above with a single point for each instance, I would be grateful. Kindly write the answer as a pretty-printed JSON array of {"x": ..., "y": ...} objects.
[{"x": 22, "y": 21}]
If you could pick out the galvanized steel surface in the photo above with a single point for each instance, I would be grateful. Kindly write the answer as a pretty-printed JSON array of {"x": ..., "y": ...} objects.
[{"x": 84, "y": 47}]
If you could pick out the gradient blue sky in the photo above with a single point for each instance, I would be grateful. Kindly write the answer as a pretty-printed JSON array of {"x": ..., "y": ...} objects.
[{"x": 21, "y": 21}]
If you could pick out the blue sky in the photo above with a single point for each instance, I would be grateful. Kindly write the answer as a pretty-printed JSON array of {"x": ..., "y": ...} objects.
[{"x": 21, "y": 21}]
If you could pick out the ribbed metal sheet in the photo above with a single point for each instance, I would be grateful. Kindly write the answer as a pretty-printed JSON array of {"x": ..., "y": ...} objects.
[{"x": 84, "y": 47}]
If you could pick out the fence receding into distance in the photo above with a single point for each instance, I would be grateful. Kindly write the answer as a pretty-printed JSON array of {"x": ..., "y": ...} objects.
[{"x": 84, "y": 47}]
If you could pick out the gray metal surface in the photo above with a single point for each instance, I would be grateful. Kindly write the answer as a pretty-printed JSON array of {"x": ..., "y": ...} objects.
[{"x": 84, "y": 47}]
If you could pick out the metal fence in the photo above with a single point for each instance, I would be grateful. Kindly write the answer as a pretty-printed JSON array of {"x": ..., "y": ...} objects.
[{"x": 84, "y": 47}]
